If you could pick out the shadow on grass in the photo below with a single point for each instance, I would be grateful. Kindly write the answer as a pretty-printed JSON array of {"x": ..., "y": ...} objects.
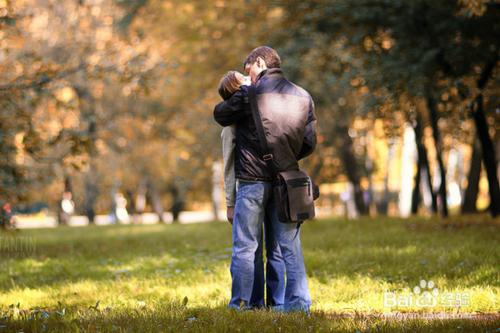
[
  {"x": 177, "y": 317},
  {"x": 107, "y": 253}
]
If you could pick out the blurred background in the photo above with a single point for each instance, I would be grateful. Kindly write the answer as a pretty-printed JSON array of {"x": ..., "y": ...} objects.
[{"x": 106, "y": 105}]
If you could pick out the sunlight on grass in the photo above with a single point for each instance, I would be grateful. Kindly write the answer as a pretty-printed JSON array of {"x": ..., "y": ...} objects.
[{"x": 351, "y": 264}]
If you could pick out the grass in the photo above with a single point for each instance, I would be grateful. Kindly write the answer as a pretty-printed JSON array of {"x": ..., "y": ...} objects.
[{"x": 153, "y": 278}]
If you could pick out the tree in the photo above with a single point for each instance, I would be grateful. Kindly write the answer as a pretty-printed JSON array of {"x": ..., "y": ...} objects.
[
  {"x": 53, "y": 79},
  {"x": 417, "y": 47}
]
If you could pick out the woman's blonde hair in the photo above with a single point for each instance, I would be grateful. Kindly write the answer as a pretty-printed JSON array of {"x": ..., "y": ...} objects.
[{"x": 228, "y": 85}]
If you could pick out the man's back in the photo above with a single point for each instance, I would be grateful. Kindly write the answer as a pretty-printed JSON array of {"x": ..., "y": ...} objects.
[{"x": 287, "y": 113}]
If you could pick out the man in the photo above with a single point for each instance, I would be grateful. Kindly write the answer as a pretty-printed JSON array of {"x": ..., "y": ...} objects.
[
  {"x": 287, "y": 112},
  {"x": 275, "y": 269}
]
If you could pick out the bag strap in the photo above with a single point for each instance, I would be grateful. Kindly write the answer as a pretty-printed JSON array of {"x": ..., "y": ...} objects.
[{"x": 267, "y": 153}]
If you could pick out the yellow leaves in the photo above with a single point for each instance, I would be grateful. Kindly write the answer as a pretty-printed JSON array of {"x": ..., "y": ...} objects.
[
  {"x": 211, "y": 15},
  {"x": 121, "y": 142},
  {"x": 104, "y": 34},
  {"x": 333, "y": 188},
  {"x": 18, "y": 140},
  {"x": 386, "y": 44},
  {"x": 108, "y": 20},
  {"x": 355, "y": 82},
  {"x": 101, "y": 146},
  {"x": 84, "y": 24},
  {"x": 94, "y": 59},
  {"x": 359, "y": 82},
  {"x": 18, "y": 68},
  {"x": 126, "y": 90},
  {"x": 11, "y": 42},
  {"x": 378, "y": 128},
  {"x": 364, "y": 90},
  {"x": 217, "y": 34},
  {"x": 368, "y": 43},
  {"x": 185, "y": 136},
  {"x": 382, "y": 39},
  {"x": 40, "y": 22},
  {"x": 95, "y": 11},
  {"x": 70, "y": 120},
  {"x": 473, "y": 7},
  {"x": 184, "y": 155},
  {"x": 65, "y": 94},
  {"x": 167, "y": 5},
  {"x": 97, "y": 89},
  {"x": 187, "y": 8},
  {"x": 359, "y": 123},
  {"x": 275, "y": 13},
  {"x": 79, "y": 162},
  {"x": 18, "y": 143},
  {"x": 53, "y": 128}
]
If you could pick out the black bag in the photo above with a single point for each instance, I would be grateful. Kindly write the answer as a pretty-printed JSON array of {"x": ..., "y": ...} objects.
[{"x": 293, "y": 190}]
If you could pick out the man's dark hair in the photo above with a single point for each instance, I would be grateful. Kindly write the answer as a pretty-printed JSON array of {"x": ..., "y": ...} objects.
[{"x": 268, "y": 54}]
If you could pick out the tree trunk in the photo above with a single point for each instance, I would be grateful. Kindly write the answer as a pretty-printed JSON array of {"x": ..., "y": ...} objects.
[
  {"x": 91, "y": 193},
  {"x": 415, "y": 194},
  {"x": 140, "y": 199},
  {"x": 130, "y": 206},
  {"x": 91, "y": 189},
  {"x": 177, "y": 202},
  {"x": 433, "y": 115},
  {"x": 369, "y": 171},
  {"x": 155, "y": 200},
  {"x": 470, "y": 196},
  {"x": 87, "y": 103},
  {"x": 422, "y": 166},
  {"x": 489, "y": 158},
  {"x": 351, "y": 169},
  {"x": 488, "y": 151},
  {"x": 383, "y": 204},
  {"x": 315, "y": 173}
]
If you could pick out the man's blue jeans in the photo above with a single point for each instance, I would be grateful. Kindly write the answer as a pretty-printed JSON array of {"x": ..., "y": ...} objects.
[
  {"x": 254, "y": 204},
  {"x": 274, "y": 283}
]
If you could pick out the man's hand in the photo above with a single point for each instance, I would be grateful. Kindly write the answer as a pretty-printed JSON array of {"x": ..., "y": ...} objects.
[{"x": 230, "y": 214}]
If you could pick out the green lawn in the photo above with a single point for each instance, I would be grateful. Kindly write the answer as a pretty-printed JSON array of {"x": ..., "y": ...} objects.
[{"x": 176, "y": 277}]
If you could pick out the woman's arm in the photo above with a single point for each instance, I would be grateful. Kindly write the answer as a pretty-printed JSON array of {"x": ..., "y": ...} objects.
[
  {"x": 228, "y": 146},
  {"x": 234, "y": 109}
]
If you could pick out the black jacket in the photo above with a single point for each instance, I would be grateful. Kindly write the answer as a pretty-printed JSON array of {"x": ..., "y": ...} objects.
[{"x": 287, "y": 112}]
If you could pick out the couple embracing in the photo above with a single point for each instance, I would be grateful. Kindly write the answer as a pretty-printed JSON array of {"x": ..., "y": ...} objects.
[{"x": 286, "y": 113}]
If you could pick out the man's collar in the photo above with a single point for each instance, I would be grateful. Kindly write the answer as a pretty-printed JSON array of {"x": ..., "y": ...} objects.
[
  {"x": 261, "y": 74},
  {"x": 269, "y": 71}
]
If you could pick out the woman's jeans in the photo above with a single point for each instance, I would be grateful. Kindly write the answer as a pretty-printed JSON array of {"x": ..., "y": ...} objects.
[{"x": 254, "y": 205}]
